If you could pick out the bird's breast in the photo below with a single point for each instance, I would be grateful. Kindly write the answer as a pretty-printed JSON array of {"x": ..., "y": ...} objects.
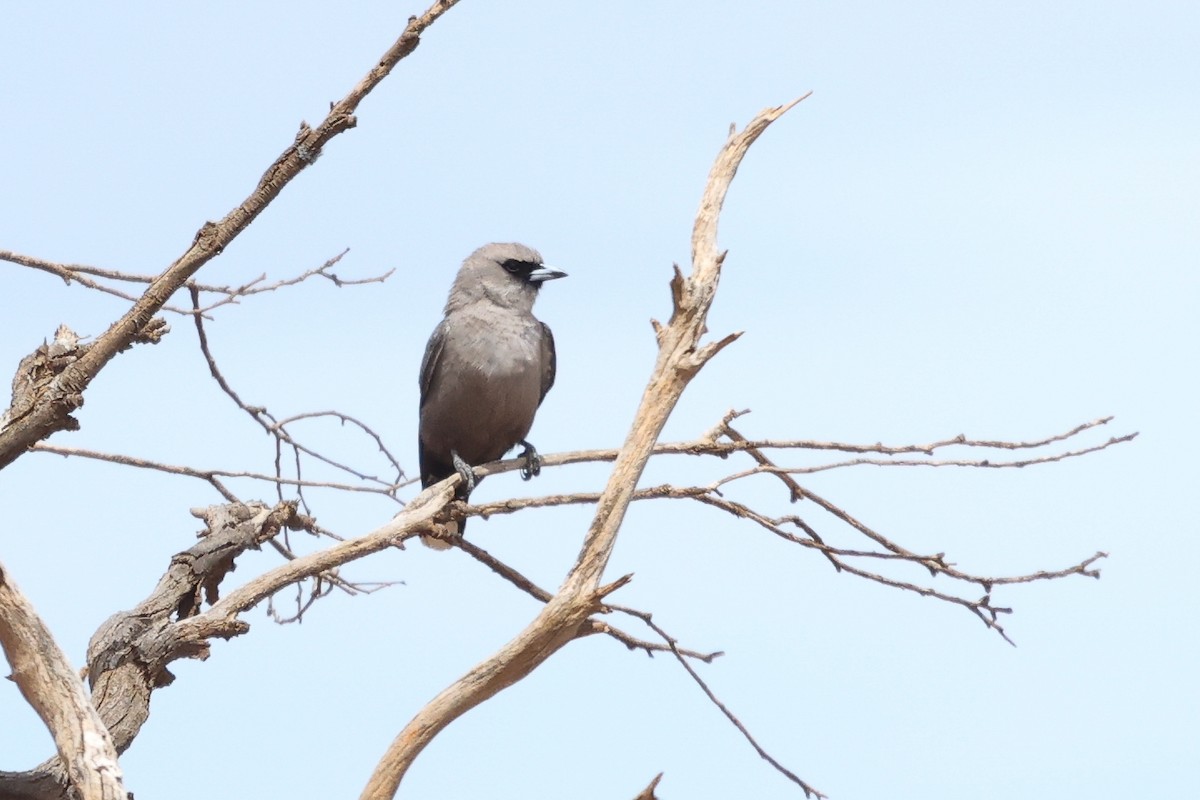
[{"x": 487, "y": 388}]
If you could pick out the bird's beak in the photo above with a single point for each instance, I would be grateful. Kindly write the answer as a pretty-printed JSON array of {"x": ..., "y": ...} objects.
[{"x": 544, "y": 273}]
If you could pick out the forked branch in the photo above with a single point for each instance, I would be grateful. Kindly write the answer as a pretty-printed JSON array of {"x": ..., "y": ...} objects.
[
  {"x": 565, "y": 616},
  {"x": 61, "y": 396}
]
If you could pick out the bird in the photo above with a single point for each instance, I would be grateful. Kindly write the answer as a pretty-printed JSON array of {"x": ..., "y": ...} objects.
[{"x": 487, "y": 368}]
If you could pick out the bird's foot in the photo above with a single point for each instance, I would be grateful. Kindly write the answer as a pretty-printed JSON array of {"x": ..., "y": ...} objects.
[
  {"x": 465, "y": 472},
  {"x": 533, "y": 462}
]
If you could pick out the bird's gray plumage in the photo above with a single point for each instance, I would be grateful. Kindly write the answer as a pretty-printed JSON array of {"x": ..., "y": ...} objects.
[{"x": 488, "y": 364}]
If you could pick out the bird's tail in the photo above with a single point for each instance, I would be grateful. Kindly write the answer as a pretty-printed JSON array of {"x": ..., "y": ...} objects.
[
  {"x": 435, "y": 543},
  {"x": 454, "y": 527}
]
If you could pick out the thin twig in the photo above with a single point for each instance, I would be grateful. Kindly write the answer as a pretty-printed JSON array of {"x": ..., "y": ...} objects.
[
  {"x": 211, "y": 476},
  {"x": 596, "y": 626},
  {"x": 648, "y": 792},
  {"x": 64, "y": 394},
  {"x": 808, "y": 790},
  {"x": 346, "y": 418},
  {"x": 234, "y": 294},
  {"x": 78, "y": 273},
  {"x": 771, "y": 469},
  {"x": 707, "y": 446},
  {"x": 936, "y": 564},
  {"x": 83, "y": 274},
  {"x": 275, "y": 427}
]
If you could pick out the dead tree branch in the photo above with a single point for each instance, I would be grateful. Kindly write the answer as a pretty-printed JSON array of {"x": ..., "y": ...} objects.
[
  {"x": 130, "y": 654},
  {"x": 808, "y": 790},
  {"x": 233, "y": 294},
  {"x": 596, "y": 626},
  {"x": 707, "y": 445},
  {"x": 277, "y": 429},
  {"x": 648, "y": 792},
  {"x": 723, "y": 441},
  {"x": 212, "y": 476},
  {"x": 49, "y": 386},
  {"x": 86, "y": 276},
  {"x": 53, "y": 689},
  {"x": 564, "y": 617},
  {"x": 50, "y": 411},
  {"x": 843, "y": 558},
  {"x": 83, "y": 275}
]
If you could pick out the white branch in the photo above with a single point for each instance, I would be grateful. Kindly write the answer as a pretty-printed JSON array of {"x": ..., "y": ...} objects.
[{"x": 46, "y": 679}]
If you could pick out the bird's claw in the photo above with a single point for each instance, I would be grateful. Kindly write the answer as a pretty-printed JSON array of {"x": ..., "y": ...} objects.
[
  {"x": 533, "y": 461},
  {"x": 465, "y": 472}
]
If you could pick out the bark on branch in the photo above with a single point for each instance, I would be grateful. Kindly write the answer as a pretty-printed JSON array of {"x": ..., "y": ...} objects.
[
  {"x": 54, "y": 690},
  {"x": 130, "y": 654}
]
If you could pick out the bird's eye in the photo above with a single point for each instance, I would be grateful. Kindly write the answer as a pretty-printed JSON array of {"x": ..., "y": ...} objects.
[{"x": 512, "y": 266}]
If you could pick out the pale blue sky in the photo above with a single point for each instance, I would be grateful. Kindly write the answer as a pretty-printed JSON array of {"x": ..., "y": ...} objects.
[{"x": 985, "y": 220}]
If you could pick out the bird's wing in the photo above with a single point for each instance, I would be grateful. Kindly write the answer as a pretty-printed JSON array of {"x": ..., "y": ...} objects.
[
  {"x": 549, "y": 361},
  {"x": 432, "y": 470},
  {"x": 432, "y": 359}
]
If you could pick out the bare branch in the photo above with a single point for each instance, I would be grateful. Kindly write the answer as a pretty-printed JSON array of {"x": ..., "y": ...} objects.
[
  {"x": 188, "y": 637},
  {"x": 984, "y": 463},
  {"x": 278, "y": 428},
  {"x": 710, "y": 445},
  {"x": 48, "y": 683},
  {"x": 54, "y": 382},
  {"x": 417, "y": 517},
  {"x": 211, "y": 476},
  {"x": 73, "y": 272},
  {"x": 235, "y": 293},
  {"x": 960, "y": 440},
  {"x": 809, "y": 791},
  {"x": 707, "y": 445},
  {"x": 935, "y": 564},
  {"x": 347, "y": 419},
  {"x": 129, "y": 655},
  {"x": 51, "y": 412},
  {"x": 648, "y": 792},
  {"x": 838, "y": 556},
  {"x": 504, "y": 571},
  {"x": 565, "y": 615},
  {"x": 595, "y": 626},
  {"x": 78, "y": 273},
  {"x": 83, "y": 274}
]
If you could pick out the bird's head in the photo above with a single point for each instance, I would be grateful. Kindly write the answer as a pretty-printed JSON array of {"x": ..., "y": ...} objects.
[{"x": 507, "y": 274}]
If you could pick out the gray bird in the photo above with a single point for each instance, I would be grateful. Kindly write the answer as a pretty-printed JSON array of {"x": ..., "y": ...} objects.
[{"x": 487, "y": 367}]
